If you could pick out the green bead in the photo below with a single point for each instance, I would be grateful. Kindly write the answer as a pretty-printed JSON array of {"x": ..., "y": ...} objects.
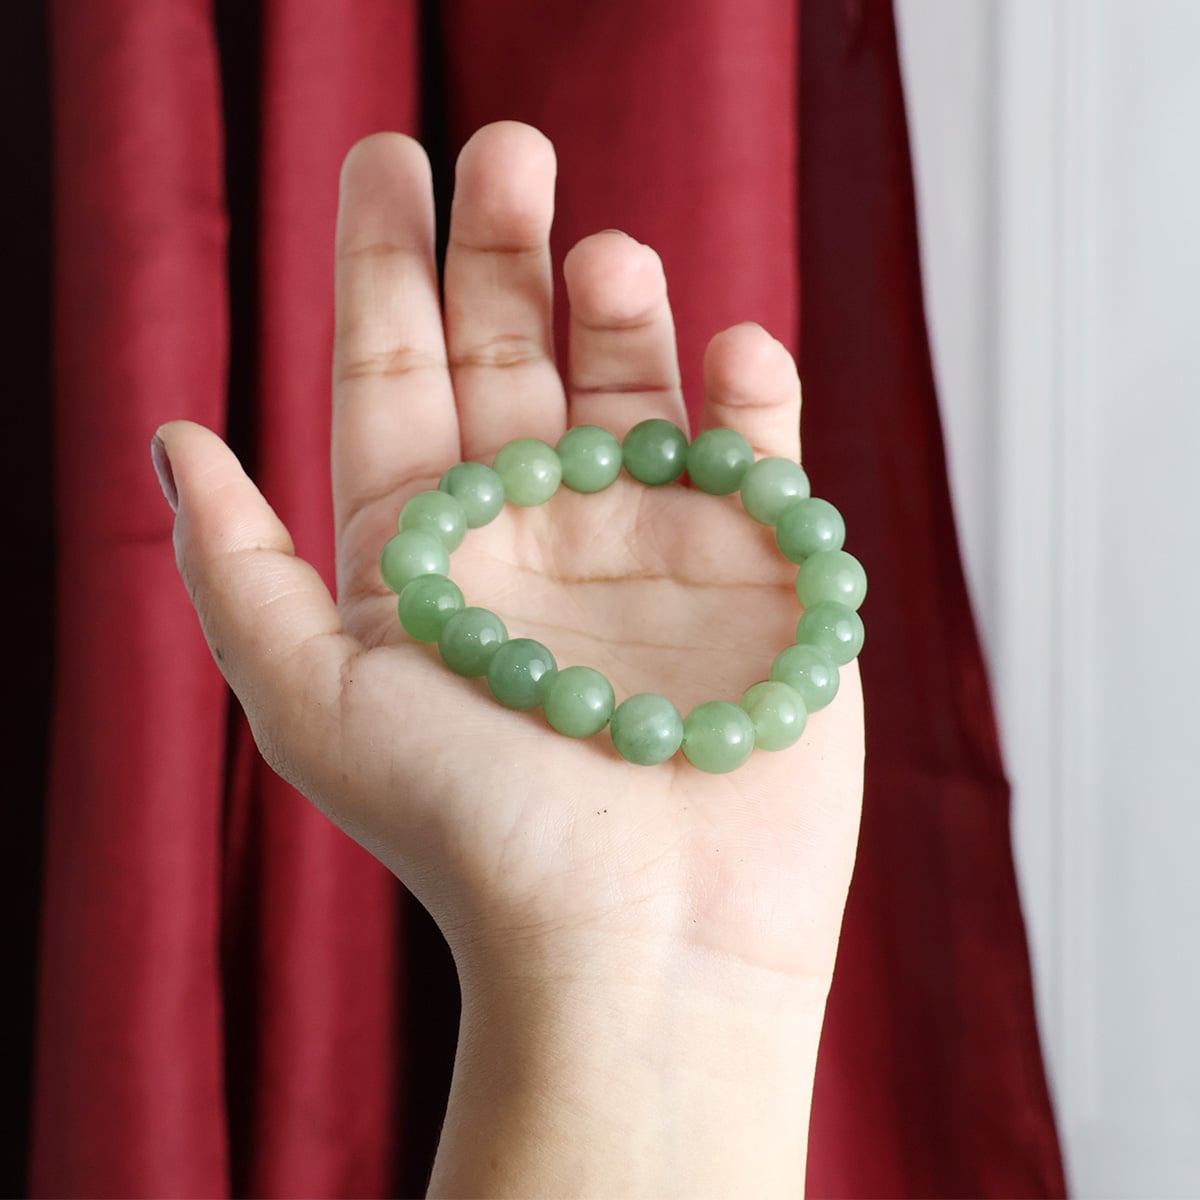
[
  {"x": 646, "y": 729},
  {"x": 426, "y": 604},
  {"x": 770, "y": 485},
  {"x": 477, "y": 488},
  {"x": 518, "y": 673},
  {"x": 578, "y": 702},
  {"x": 409, "y": 554},
  {"x": 469, "y": 639},
  {"x": 437, "y": 513},
  {"x": 717, "y": 736},
  {"x": 717, "y": 460},
  {"x": 810, "y": 671},
  {"x": 831, "y": 575},
  {"x": 777, "y": 713},
  {"x": 529, "y": 470},
  {"x": 809, "y": 526},
  {"x": 833, "y": 627},
  {"x": 655, "y": 452},
  {"x": 590, "y": 457}
]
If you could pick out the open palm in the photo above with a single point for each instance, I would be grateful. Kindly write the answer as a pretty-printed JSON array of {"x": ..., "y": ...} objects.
[{"x": 500, "y": 826}]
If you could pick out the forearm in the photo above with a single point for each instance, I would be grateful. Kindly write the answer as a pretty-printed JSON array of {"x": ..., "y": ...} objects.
[{"x": 688, "y": 1076}]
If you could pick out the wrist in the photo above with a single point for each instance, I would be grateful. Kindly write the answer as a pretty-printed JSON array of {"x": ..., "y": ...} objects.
[{"x": 655, "y": 1071}]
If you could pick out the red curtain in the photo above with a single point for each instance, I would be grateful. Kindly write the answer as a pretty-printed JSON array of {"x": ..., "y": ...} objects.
[{"x": 234, "y": 999}]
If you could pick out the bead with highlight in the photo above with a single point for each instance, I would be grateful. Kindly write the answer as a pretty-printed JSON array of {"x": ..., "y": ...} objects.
[
  {"x": 469, "y": 639},
  {"x": 718, "y": 460},
  {"x": 646, "y": 729},
  {"x": 831, "y": 575},
  {"x": 770, "y": 485},
  {"x": 777, "y": 713},
  {"x": 477, "y": 488},
  {"x": 518, "y": 673},
  {"x": 436, "y": 512},
  {"x": 578, "y": 702},
  {"x": 810, "y": 671},
  {"x": 426, "y": 604},
  {"x": 808, "y": 526},
  {"x": 529, "y": 470},
  {"x": 655, "y": 452},
  {"x": 409, "y": 554},
  {"x": 717, "y": 737},
  {"x": 590, "y": 458},
  {"x": 833, "y": 627}
]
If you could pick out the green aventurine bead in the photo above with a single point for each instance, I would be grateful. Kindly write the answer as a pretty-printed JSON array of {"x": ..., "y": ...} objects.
[
  {"x": 717, "y": 737},
  {"x": 426, "y": 604},
  {"x": 517, "y": 674},
  {"x": 590, "y": 458},
  {"x": 831, "y": 575},
  {"x": 655, "y": 452},
  {"x": 833, "y": 627},
  {"x": 578, "y": 702},
  {"x": 477, "y": 488},
  {"x": 469, "y": 639},
  {"x": 646, "y": 729},
  {"x": 807, "y": 527},
  {"x": 811, "y": 672},
  {"x": 409, "y": 554},
  {"x": 437, "y": 513},
  {"x": 717, "y": 460},
  {"x": 777, "y": 712},
  {"x": 770, "y": 485},
  {"x": 529, "y": 470}
]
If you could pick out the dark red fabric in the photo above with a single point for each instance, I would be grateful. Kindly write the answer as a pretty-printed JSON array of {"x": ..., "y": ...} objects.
[{"x": 234, "y": 998}]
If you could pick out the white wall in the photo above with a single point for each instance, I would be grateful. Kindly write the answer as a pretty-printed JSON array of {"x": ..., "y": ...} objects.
[{"x": 1058, "y": 179}]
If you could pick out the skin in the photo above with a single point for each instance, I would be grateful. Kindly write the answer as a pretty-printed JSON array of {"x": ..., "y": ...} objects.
[{"x": 644, "y": 952}]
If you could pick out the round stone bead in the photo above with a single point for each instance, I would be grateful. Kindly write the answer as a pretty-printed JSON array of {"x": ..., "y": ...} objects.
[
  {"x": 810, "y": 671},
  {"x": 518, "y": 673},
  {"x": 646, "y": 729},
  {"x": 717, "y": 736},
  {"x": 477, "y": 488},
  {"x": 578, "y": 701},
  {"x": 426, "y": 604},
  {"x": 717, "y": 460},
  {"x": 529, "y": 470},
  {"x": 807, "y": 527},
  {"x": 437, "y": 513},
  {"x": 590, "y": 458},
  {"x": 777, "y": 713},
  {"x": 770, "y": 485},
  {"x": 469, "y": 639},
  {"x": 831, "y": 575},
  {"x": 655, "y": 452},
  {"x": 833, "y": 627},
  {"x": 409, "y": 554}
]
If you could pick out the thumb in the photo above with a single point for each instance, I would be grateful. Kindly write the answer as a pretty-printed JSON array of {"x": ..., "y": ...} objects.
[{"x": 269, "y": 620}]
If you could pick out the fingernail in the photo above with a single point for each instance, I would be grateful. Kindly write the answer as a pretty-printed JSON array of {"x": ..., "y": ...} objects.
[{"x": 162, "y": 468}]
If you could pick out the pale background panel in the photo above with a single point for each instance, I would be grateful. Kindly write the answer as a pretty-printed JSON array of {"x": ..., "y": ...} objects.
[{"x": 1058, "y": 180}]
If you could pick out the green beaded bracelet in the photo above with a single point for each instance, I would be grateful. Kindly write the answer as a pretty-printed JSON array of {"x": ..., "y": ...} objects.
[{"x": 577, "y": 701}]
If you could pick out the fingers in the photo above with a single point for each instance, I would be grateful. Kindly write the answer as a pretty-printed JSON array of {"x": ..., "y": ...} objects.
[
  {"x": 623, "y": 362},
  {"x": 499, "y": 319},
  {"x": 751, "y": 385},
  {"x": 269, "y": 620},
  {"x": 394, "y": 420}
]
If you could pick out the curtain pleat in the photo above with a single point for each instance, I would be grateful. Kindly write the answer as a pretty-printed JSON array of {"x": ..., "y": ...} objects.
[
  {"x": 234, "y": 998},
  {"x": 129, "y": 1087}
]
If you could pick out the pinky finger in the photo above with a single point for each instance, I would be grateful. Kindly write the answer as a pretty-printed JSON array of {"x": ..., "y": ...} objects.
[{"x": 751, "y": 385}]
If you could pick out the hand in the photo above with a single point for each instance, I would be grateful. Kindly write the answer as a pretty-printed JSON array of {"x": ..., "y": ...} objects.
[{"x": 536, "y": 854}]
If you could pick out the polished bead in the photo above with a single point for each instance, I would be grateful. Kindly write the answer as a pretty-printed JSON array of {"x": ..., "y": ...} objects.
[
  {"x": 646, "y": 729},
  {"x": 810, "y": 671},
  {"x": 777, "y": 713},
  {"x": 438, "y": 513},
  {"x": 518, "y": 673},
  {"x": 809, "y": 526},
  {"x": 409, "y": 554},
  {"x": 578, "y": 701},
  {"x": 717, "y": 736},
  {"x": 529, "y": 470},
  {"x": 426, "y": 604},
  {"x": 717, "y": 460},
  {"x": 469, "y": 639},
  {"x": 833, "y": 627},
  {"x": 477, "y": 488},
  {"x": 655, "y": 451},
  {"x": 770, "y": 485},
  {"x": 590, "y": 458},
  {"x": 831, "y": 575}
]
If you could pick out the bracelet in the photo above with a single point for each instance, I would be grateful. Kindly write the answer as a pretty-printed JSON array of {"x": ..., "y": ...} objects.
[{"x": 646, "y": 729}]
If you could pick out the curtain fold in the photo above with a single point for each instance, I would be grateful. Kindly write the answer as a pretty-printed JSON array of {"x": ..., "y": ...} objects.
[{"x": 234, "y": 998}]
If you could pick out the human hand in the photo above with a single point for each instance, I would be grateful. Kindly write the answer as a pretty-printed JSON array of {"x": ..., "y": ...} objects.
[{"x": 499, "y": 826}]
